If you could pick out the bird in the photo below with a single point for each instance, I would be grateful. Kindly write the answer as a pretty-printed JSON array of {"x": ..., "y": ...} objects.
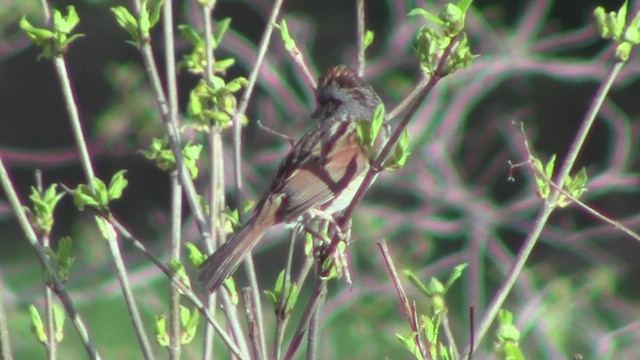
[{"x": 320, "y": 174}]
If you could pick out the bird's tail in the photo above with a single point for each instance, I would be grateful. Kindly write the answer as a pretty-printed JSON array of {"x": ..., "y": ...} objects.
[{"x": 226, "y": 259}]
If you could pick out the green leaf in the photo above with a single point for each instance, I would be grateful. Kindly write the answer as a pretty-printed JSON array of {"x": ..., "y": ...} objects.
[
  {"x": 100, "y": 192},
  {"x": 37, "y": 326},
  {"x": 106, "y": 229},
  {"x": 417, "y": 283},
  {"x": 542, "y": 186},
  {"x": 410, "y": 344},
  {"x": 621, "y": 19},
  {"x": 223, "y": 26},
  {"x": 426, "y": 15},
  {"x": 56, "y": 41},
  {"x": 453, "y": 18},
  {"x": 65, "y": 24},
  {"x": 455, "y": 274},
  {"x": 376, "y": 123},
  {"x": 189, "y": 321},
  {"x": 128, "y": 22},
  {"x": 464, "y": 5},
  {"x": 58, "y": 321},
  {"x": 435, "y": 286},
  {"x": 43, "y": 207},
  {"x": 400, "y": 153},
  {"x": 64, "y": 259},
  {"x": 161, "y": 330},
  {"x": 575, "y": 186},
  {"x": 117, "y": 185},
  {"x": 548, "y": 170},
  {"x": 368, "y": 38},
  {"x": 196, "y": 257},
  {"x": 507, "y": 337},
  {"x": 223, "y": 64},
  {"x": 623, "y": 51},
  {"x": 155, "y": 6},
  {"x": 278, "y": 288},
  {"x": 236, "y": 84},
  {"x": 288, "y": 41},
  {"x": 39, "y": 35},
  {"x": 191, "y": 35},
  {"x": 601, "y": 22},
  {"x": 84, "y": 196},
  {"x": 180, "y": 272}
]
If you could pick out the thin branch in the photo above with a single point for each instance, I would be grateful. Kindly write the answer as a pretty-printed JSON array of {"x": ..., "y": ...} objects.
[
  {"x": 176, "y": 189},
  {"x": 216, "y": 192},
  {"x": 132, "y": 306},
  {"x": 360, "y": 21},
  {"x": 314, "y": 330},
  {"x": 281, "y": 314},
  {"x": 408, "y": 308},
  {"x": 319, "y": 292},
  {"x": 5, "y": 341},
  {"x": 74, "y": 118},
  {"x": 51, "y": 344},
  {"x": 251, "y": 311}
]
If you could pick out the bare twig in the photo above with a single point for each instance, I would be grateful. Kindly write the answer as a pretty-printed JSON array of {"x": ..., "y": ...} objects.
[
  {"x": 360, "y": 21},
  {"x": 314, "y": 330},
  {"x": 5, "y": 341},
  {"x": 269, "y": 130},
  {"x": 176, "y": 188},
  {"x": 319, "y": 292},
  {"x": 407, "y": 307},
  {"x": 251, "y": 311}
]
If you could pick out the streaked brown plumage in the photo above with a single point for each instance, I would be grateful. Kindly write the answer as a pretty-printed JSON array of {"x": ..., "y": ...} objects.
[{"x": 321, "y": 172}]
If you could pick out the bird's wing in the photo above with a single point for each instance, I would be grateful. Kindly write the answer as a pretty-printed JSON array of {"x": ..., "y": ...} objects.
[{"x": 328, "y": 160}]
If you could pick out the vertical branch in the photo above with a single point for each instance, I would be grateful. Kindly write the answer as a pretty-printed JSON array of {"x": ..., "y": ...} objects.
[
  {"x": 319, "y": 293},
  {"x": 281, "y": 312},
  {"x": 408, "y": 308},
  {"x": 51, "y": 344},
  {"x": 174, "y": 300},
  {"x": 314, "y": 329},
  {"x": 237, "y": 165},
  {"x": 251, "y": 311},
  {"x": 5, "y": 341},
  {"x": 215, "y": 157},
  {"x": 176, "y": 188},
  {"x": 360, "y": 36}
]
